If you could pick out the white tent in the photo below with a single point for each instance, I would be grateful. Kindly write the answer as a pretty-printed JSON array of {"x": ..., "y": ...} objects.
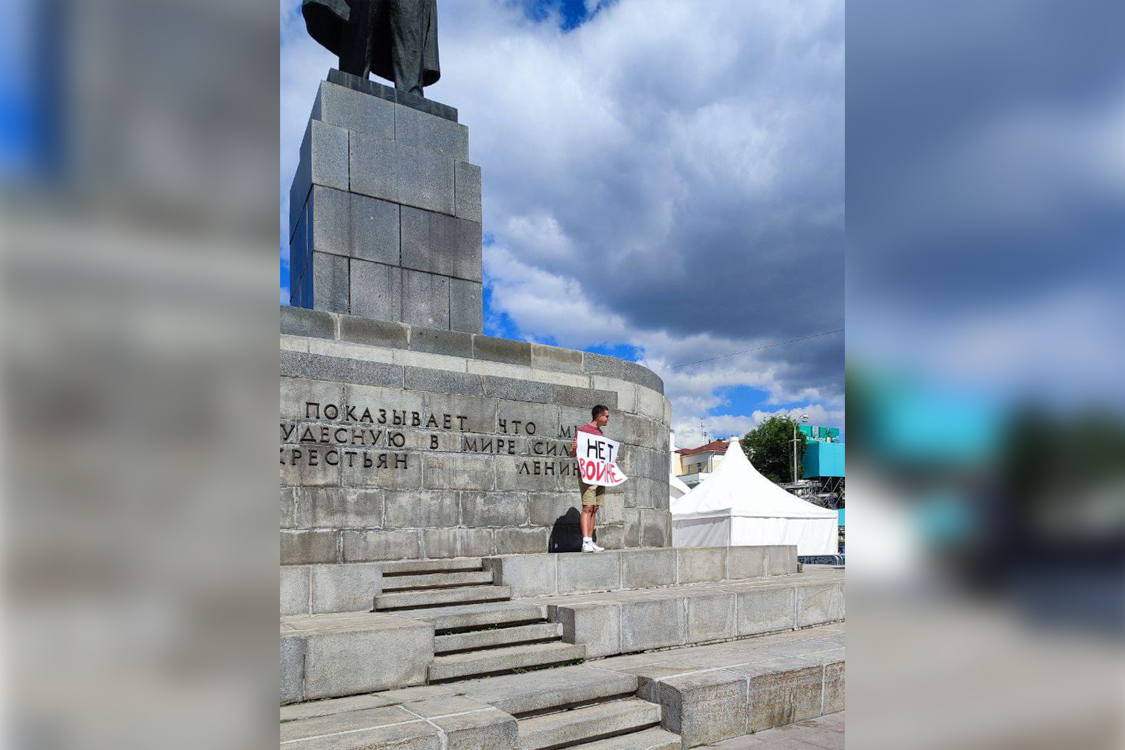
[
  {"x": 676, "y": 488},
  {"x": 738, "y": 506}
]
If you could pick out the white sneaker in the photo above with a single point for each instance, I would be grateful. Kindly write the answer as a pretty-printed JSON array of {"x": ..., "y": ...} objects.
[
  {"x": 589, "y": 547},
  {"x": 596, "y": 547}
]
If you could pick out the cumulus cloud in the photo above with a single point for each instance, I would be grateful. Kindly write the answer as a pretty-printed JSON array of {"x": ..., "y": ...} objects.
[{"x": 667, "y": 175}]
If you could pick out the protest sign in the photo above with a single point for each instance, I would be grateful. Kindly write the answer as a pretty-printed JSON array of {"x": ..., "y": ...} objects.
[{"x": 597, "y": 460}]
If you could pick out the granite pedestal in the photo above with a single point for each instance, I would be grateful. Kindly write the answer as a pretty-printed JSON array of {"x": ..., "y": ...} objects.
[
  {"x": 385, "y": 210},
  {"x": 400, "y": 442}
]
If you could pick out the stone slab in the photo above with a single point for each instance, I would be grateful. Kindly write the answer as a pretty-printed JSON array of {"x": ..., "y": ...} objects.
[
  {"x": 577, "y": 573},
  {"x": 711, "y": 618},
  {"x": 548, "y": 361},
  {"x": 329, "y": 212},
  {"x": 330, "y": 282},
  {"x": 425, "y": 299},
  {"x": 712, "y": 692},
  {"x": 426, "y": 132},
  {"x": 325, "y": 150},
  {"x": 596, "y": 625},
  {"x": 545, "y": 357},
  {"x": 519, "y": 541},
  {"x": 373, "y": 332},
  {"x": 519, "y": 694},
  {"x": 292, "y": 667},
  {"x": 466, "y": 306},
  {"x": 352, "y": 110},
  {"x": 466, "y": 186},
  {"x": 378, "y": 545},
  {"x": 345, "y": 587},
  {"x": 637, "y": 569},
  {"x": 449, "y": 343},
  {"x": 782, "y": 560},
  {"x": 479, "y": 730},
  {"x": 475, "y": 615},
  {"x": 648, "y": 568},
  {"x": 492, "y": 661},
  {"x": 339, "y": 369},
  {"x": 705, "y": 707},
  {"x": 784, "y": 694},
  {"x": 345, "y": 654},
  {"x": 375, "y": 290},
  {"x": 297, "y": 321},
  {"x": 573, "y": 728},
  {"x": 294, "y": 590},
  {"x": 416, "y": 510},
  {"x": 766, "y": 610},
  {"x": 655, "y": 623},
  {"x": 304, "y": 546},
  {"x": 834, "y": 688},
  {"x": 746, "y": 562},
  {"x": 599, "y": 364},
  {"x": 398, "y": 173},
  {"x": 678, "y": 615},
  {"x": 527, "y": 575},
  {"x": 349, "y": 722},
  {"x": 702, "y": 564},
  {"x": 390, "y": 94},
  {"x": 480, "y": 509},
  {"x": 440, "y": 244},
  {"x": 374, "y": 230},
  {"x": 817, "y": 604}
]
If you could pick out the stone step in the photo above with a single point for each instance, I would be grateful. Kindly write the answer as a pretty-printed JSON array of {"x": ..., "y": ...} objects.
[
  {"x": 526, "y": 694},
  {"x": 463, "y": 616},
  {"x": 437, "y": 580},
  {"x": 602, "y": 720},
  {"x": 495, "y": 637},
  {"x": 407, "y": 567},
  {"x": 648, "y": 739},
  {"x": 495, "y": 660},
  {"x": 439, "y": 597}
]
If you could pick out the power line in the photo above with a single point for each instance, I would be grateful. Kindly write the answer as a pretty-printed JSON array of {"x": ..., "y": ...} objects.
[{"x": 758, "y": 349}]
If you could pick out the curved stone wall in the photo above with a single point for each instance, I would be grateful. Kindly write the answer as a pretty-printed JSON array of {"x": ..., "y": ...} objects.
[{"x": 401, "y": 442}]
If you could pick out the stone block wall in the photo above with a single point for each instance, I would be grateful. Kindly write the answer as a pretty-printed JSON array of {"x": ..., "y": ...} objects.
[
  {"x": 401, "y": 442},
  {"x": 385, "y": 210}
]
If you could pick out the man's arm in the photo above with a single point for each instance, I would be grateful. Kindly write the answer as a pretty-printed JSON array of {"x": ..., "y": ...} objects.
[{"x": 574, "y": 445}]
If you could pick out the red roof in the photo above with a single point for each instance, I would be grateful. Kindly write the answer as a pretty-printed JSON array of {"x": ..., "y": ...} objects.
[{"x": 715, "y": 446}]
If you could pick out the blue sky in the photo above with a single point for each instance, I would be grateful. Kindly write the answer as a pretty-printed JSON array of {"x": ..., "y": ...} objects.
[{"x": 651, "y": 194}]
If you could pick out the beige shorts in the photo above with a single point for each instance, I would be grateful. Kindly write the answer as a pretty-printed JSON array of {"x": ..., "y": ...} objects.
[{"x": 592, "y": 494}]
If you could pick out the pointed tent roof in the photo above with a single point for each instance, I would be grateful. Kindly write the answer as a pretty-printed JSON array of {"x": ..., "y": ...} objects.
[
  {"x": 676, "y": 485},
  {"x": 737, "y": 489}
]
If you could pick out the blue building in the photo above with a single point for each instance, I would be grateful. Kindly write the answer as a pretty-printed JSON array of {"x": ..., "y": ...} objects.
[{"x": 823, "y": 460}]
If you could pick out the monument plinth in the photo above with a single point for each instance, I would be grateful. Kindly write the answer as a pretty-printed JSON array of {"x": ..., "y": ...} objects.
[{"x": 385, "y": 210}]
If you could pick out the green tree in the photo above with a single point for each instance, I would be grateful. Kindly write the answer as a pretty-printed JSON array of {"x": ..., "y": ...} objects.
[{"x": 770, "y": 448}]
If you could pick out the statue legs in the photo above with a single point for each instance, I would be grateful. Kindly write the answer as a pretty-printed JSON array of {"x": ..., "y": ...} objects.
[
  {"x": 409, "y": 21},
  {"x": 355, "y": 47},
  {"x": 400, "y": 23}
]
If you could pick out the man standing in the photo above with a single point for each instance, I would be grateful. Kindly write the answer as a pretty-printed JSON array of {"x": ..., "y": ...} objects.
[{"x": 592, "y": 495}]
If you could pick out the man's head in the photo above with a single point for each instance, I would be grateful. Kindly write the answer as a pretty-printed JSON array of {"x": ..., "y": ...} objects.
[{"x": 601, "y": 415}]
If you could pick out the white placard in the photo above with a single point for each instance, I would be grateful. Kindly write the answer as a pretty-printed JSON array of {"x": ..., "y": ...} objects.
[{"x": 597, "y": 460}]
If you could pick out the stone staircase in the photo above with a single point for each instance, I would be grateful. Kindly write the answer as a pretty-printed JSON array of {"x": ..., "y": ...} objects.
[
  {"x": 624, "y": 723},
  {"x": 481, "y": 666},
  {"x": 477, "y": 630},
  {"x": 479, "y": 633},
  {"x": 621, "y": 724},
  {"x": 575, "y": 707}
]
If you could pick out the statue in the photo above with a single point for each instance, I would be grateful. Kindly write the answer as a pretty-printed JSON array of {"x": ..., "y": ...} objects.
[{"x": 394, "y": 39}]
